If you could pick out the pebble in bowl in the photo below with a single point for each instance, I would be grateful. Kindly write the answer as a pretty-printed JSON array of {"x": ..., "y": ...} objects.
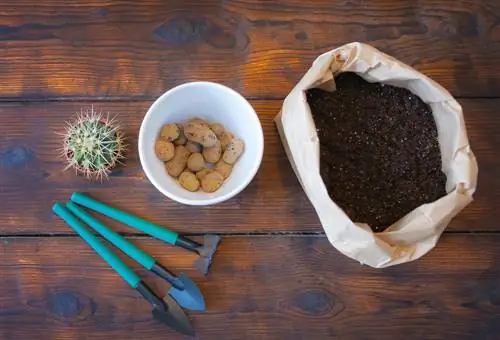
[{"x": 213, "y": 103}]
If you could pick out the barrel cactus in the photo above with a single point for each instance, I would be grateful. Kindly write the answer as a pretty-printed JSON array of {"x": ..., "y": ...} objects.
[{"x": 93, "y": 144}]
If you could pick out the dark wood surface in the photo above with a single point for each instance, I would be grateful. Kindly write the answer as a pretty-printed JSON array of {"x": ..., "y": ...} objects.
[
  {"x": 32, "y": 176},
  {"x": 251, "y": 294},
  {"x": 275, "y": 275},
  {"x": 261, "y": 48}
]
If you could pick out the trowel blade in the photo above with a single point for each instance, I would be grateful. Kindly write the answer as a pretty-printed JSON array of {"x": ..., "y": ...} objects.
[
  {"x": 174, "y": 317},
  {"x": 190, "y": 297}
]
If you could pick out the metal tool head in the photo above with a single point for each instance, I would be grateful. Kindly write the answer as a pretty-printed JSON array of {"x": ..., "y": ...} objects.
[
  {"x": 187, "y": 294},
  {"x": 173, "y": 316},
  {"x": 206, "y": 251}
]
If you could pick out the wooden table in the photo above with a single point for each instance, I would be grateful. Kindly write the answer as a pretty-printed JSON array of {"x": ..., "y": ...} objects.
[{"x": 275, "y": 275}]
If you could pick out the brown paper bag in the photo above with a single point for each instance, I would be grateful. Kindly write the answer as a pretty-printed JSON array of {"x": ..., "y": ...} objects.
[{"x": 416, "y": 233}]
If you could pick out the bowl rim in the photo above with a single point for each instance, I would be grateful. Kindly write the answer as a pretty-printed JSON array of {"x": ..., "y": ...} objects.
[{"x": 209, "y": 201}]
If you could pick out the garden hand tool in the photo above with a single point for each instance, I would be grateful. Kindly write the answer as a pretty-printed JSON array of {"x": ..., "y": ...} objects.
[
  {"x": 205, "y": 250},
  {"x": 183, "y": 290},
  {"x": 165, "y": 310}
]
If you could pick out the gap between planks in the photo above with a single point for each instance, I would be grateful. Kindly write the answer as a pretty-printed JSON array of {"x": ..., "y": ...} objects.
[
  {"x": 112, "y": 99},
  {"x": 319, "y": 234}
]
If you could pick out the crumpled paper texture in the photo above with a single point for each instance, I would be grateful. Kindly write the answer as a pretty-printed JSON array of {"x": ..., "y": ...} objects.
[{"x": 416, "y": 233}]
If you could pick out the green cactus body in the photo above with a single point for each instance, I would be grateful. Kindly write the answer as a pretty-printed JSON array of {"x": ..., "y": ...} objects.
[{"x": 93, "y": 144}]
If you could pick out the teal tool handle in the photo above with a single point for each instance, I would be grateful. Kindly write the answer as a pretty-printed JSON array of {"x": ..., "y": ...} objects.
[
  {"x": 126, "y": 218},
  {"x": 117, "y": 240},
  {"x": 114, "y": 261}
]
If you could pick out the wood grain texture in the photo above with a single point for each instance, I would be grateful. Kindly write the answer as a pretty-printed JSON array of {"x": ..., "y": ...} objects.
[
  {"x": 32, "y": 177},
  {"x": 452, "y": 293},
  {"x": 261, "y": 48}
]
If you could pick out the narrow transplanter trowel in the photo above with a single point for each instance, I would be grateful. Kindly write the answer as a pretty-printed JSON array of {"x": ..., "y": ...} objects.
[{"x": 205, "y": 250}]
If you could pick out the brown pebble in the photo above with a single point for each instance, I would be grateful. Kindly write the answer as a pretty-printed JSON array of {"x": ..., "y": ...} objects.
[
  {"x": 200, "y": 134},
  {"x": 233, "y": 151},
  {"x": 212, "y": 182},
  {"x": 164, "y": 150},
  {"x": 198, "y": 120},
  {"x": 189, "y": 181},
  {"x": 225, "y": 138},
  {"x": 177, "y": 164},
  {"x": 169, "y": 132},
  {"x": 196, "y": 162},
  {"x": 223, "y": 168},
  {"x": 217, "y": 128},
  {"x": 182, "y": 140},
  {"x": 212, "y": 154}
]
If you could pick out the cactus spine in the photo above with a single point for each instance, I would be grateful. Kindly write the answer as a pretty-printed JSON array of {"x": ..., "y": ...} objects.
[{"x": 93, "y": 144}]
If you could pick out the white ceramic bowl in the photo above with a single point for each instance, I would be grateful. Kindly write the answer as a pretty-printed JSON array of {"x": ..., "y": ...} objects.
[{"x": 212, "y": 102}]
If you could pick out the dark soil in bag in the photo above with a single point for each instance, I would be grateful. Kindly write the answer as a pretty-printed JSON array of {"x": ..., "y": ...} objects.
[{"x": 380, "y": 155}]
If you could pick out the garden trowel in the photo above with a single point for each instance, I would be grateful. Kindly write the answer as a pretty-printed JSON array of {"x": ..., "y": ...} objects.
[
  {"x": 183, "y": 290},
  {"x": 165, "y": 310},
  {"x": 205, "y": 250}
]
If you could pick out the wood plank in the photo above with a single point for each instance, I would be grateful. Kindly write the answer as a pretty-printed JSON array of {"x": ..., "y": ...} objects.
[
  {"x": 32, "y": 177},
  {"x": 452, "y": 293},
  {"x": 261, "y": 48}
]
